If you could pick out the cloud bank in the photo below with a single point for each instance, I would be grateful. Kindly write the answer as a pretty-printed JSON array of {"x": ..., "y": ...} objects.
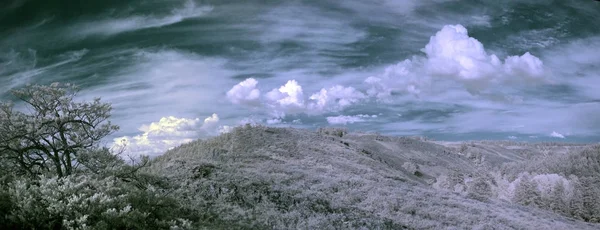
[
  {"x": 344, "y": 120},
  {"x": 167, "y": 133},
  {"x": 451, "y": 57}
]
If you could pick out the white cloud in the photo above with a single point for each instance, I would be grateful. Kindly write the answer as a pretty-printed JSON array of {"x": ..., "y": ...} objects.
[
  {"x": 367, "y": 116},
  {"x": 289, "y": 98},
  {"x": 451, "y": 52},
  {"x": 334, "y": 98},
  {"x": 455, "y": 68},
  {"x": 557, "y": 135},
  {"x": 452, "y": 56},
  {"x": 167, "y": 133},
  {"x": 245, "y": 93},
  {"x": 403, "y": 77},
  {"x": 274, "y": 121},
  {"x": 210, "y": 123},
  {"x": 343, "y": 120},
  {"x": 526, "y": 65},
  {"x": 225, "y": 129},
  {"x": 160, "y": 83}
]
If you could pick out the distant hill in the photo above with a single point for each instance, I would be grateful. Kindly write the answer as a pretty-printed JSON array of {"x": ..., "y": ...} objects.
[{"x": 285, "y": 178}]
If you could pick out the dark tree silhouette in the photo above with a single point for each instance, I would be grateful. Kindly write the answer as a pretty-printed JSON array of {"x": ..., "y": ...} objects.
[{"x": 50, "y": 132}]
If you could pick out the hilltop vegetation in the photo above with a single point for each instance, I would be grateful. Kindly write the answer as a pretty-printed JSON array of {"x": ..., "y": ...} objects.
[{"x": 282, "y": 178}]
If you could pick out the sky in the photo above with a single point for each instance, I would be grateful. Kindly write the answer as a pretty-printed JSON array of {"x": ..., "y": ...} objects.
[{"x": 178, "y": 70}]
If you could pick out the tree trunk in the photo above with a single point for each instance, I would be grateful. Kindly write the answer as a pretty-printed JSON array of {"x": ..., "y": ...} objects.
[
  {"x": 68, "y": 163},
  {"x": 57, "y": 164}
]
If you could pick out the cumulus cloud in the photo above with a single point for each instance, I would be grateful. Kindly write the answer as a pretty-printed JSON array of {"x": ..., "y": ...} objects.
[
  {"x": 334, "y": 98},
  {"x": 290, "y": 99},
  {"x": 245, "y": 93},
  {"x": 557, "y": 135},
  {"x": 274, "y": 121},
  {"x": 451, "y": 52},
  {"x": 288, "y": 95},
  {"x": 210, "y": 123},
  {"x": 452, "y": 55},
  {"x": 453, "y": 61},
  {"x": 526, "y": 65},
  {"x": 225, "y": 129},
  {"x": 167, "y": 133},
  {"x": 403, "y": 77}
]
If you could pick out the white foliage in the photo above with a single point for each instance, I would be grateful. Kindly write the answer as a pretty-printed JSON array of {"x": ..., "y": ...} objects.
[
  {"x": 547, "y": 182},
  {"x": 73, "y": 199}
]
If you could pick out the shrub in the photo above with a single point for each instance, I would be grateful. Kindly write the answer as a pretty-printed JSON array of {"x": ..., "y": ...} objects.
[
  {"x": 339, "y": 132},
  {"x": 411, "y": 168},
  {"x": 87, "y": 202}
]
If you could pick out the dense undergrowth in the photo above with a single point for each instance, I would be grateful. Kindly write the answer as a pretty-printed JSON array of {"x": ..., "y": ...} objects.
[
  {"x": 565, "y": 182},
  {"x": 113, "y": 196}
]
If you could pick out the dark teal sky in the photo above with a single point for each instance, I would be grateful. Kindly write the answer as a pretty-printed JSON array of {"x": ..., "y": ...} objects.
[{"x": 154, "y": 59}]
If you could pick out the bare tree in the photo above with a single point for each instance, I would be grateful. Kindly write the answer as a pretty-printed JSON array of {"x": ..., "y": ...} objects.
[{"x": 52, "y": 130}]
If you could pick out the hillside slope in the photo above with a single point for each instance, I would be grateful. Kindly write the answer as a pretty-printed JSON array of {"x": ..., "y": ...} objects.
[{"x": 284, "y": 178}]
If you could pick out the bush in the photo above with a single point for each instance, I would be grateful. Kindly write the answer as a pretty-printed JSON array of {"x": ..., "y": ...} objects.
[
  {"x": 411, "y": 168},
  {"x": 86, "y": 202},
  {"x": 339, "y": 132}
]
